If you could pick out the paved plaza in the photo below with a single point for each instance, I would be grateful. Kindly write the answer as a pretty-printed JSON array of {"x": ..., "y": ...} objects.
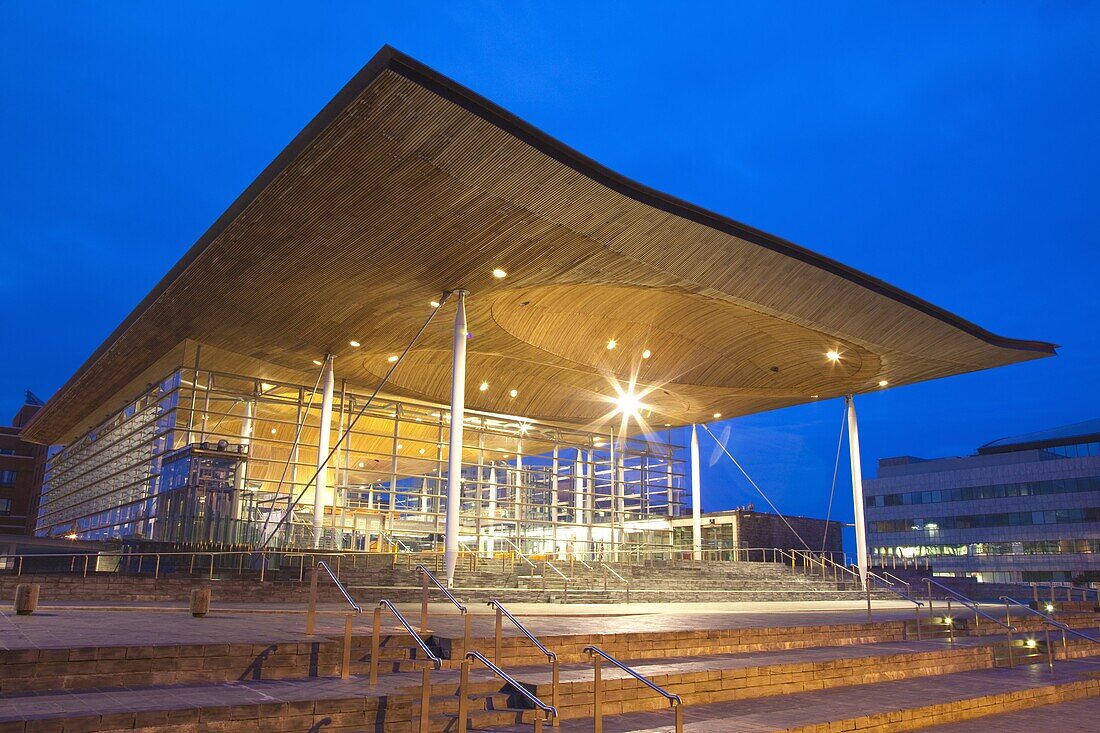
[{"x": 56, "y": 626}]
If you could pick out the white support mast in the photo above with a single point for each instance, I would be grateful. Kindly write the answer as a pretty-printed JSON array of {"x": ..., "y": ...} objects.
[
  {"x": 454, "y": 455},
  {"x": 696, "y": 511},
  {"x": 320, "y": 484},
  {"x": 857, "y": 490}
]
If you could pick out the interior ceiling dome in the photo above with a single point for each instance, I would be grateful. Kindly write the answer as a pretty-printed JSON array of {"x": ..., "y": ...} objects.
[{"x": 408, "y": 185}]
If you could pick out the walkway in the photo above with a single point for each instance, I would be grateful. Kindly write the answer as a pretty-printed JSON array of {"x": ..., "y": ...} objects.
[{"x": 60, "y": 626}]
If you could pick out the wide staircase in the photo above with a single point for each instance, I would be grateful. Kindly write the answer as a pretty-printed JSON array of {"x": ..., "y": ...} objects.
[{"x": 375, "y": 668}]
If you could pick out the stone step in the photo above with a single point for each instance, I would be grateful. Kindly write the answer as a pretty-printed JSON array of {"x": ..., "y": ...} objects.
[{"x": 881, "y": 707}]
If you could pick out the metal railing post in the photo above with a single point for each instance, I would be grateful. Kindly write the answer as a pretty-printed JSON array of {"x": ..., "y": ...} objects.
[
  {"x": 375, "y": 645},
  {"x": 211, "y": 566},
  {"x": 156, "y": 569},
  {"x": 597, "y": 695},
  {"x": 86, "y": 558},
  {"x": 423, "y": 603},
  {"x": 263, "y": 565},
  {"x": 465, "y": 632},
  {"x": 1035, "y": 594},
  {"x": 345, "y": 665},
  {"x": 425, "y": 698},
  {"x": 499, "y": 632},
  {"x": 929, "y": 584},
  {"x": 950, "y": 624},
  {"x": 1008, "y": 623},
  {"x": 678, "y": 711},
  {"x": 554, "y": 689},
  {"x": 1050, "y": 654},
  {"x": 311, "y": 614},
  {"x": 19, "y": 570},
  {"x": 463, "y": 695},
  {"x": 191, "y": 571}
]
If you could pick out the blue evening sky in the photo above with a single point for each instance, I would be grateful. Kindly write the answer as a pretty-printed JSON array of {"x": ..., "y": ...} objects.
[{"x": 948, "y": 148}]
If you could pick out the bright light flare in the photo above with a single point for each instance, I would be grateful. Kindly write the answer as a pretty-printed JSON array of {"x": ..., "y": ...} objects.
[{"x": 832, "y": 355}]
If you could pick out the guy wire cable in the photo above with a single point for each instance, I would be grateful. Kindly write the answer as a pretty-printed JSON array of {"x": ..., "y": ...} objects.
[{"x": 442, "y": 301}]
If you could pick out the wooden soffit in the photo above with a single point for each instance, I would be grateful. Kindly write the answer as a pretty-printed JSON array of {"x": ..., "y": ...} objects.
[{"x": 408, "y": 184}]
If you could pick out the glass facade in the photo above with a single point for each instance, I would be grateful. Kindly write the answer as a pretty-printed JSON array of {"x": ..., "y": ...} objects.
[
  {"x": 211, "y": 459},
  {"x": 1031, "y": 514}
]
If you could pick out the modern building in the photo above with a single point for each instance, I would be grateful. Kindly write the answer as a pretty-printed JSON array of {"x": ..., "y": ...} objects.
[
  {"x": 428, "y": 324},
  {"x": 747, "y": 534},
  {"x": 21, "y": 468},
  {"x": 1025, "y": 508}
]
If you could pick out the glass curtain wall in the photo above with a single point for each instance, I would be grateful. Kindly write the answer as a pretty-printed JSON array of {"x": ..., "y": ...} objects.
[{"x": 212, "y": 459}]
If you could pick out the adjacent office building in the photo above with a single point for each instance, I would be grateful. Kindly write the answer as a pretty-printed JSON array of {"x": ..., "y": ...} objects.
[
  {"x": 21, "y": 467},
  {"x": 1025, "y": 508}
]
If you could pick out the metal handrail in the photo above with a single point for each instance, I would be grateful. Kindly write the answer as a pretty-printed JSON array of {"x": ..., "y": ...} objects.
[
  {"x": 436, "y": 661},
  {"x": 494, "y": 603},
  {"x": 394, "y": 541},
  {"x": 611, "y": 570},
  {"x": 340, "y": 586},
  {"x": 883, "y": 582},
  {"x": 450, "y": 597},
  {"x": 672, "y": 698},
  {"x": 519, "y": 552},
  {"x": 844, "y": 568},
  {"x": 555, "y": 569},
  {"x": 896, "y": 579},
  {"x": 530, "y": 696},
  {"x": 1049, "y": 620},
  {"x": 969, "y": 603}
]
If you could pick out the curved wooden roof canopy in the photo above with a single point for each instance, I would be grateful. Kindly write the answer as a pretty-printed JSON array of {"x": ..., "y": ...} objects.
[{"x": 407, "y": 184}]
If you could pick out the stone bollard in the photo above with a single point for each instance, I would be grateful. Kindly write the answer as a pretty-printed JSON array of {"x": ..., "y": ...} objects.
[
  {"x": 200, "y": 602},
  {"x": 26, "y": 598}
]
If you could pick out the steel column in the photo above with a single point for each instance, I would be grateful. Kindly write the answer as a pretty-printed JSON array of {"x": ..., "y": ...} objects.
[{"x": 454, "y": 456}]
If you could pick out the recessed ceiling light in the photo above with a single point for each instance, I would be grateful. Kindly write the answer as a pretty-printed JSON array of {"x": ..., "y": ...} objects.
[
  {"x": 499, "y": 274},
  {"x": 354, "y": 343},
  {"x": 832, "y": 355},
  {"x": 434, "y": 304},
  {"x": 883, "y": 383},
  {"x": 483, "y": 386},
  {"x": 400, "y": 447},
  {"x": 317, "y": 362},
  {"x": 421, "y": 451},
  {"x": 646, "y": 354},
  {"x": 361, "y": 464},
  {"x": 274, "y": 431},
  {"x": 611, "y": 344},
  {"x": 717, "y": 415},
  {"x": 514, "y": 393},
  {"x": 392, "y": 358},
  {"x": 668, "y": 425},
  {"x": 814, "y": 396}
]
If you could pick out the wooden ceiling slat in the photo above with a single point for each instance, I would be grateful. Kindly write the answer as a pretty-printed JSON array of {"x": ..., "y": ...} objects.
[{"x": 408, "y": 185}]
